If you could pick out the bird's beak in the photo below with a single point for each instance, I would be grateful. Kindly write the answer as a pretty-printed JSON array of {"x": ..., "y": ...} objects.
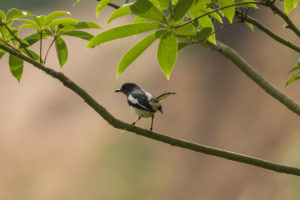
[{"x": 118, "y": 91}]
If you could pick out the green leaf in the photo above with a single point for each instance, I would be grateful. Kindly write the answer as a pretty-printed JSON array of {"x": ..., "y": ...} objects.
[
  {"x": 250, "y": 26},
  {"x": 188, "y": 29},
  {"x": 146, "y": 9},
  {"x": 15, "y": 13},
  {"x": 204, "y": 33},
  {"x": 253, "y": 5},
  {"x": 101, "y": 5},
  {"x": 16, "y": 65},
  {"x": 33, "y": 38},
  {"x": 228, "y": 12},
  {"x": 86, "y": 25},
  {"x": 205, "y": 22},
  {"x": 136, "y": 51},
  {"x": 125, "y": 10},
  {"x": 79, "y": 34},
  {"x": 292, "y": 79},
  {"x": 181, "y": 9},
  {"x": 294, "y": 68},
  {"x": 167, "y": 53},
  {"x": 61, "y": 50},
  {"x": 289, "y": 5},
  {"x": 63, "y": 21},
  {"x": 181, "y": 45},
  {"x": 2, "y": 52},
  {"x": 2, "y": 15},
  {"x": 29, "y": 24},
  {"x": 35, "y": 56},
  {"x": 161, "y": 4},
  {"x": 55, "y": 14},
  {"x": 122, "y": 31},
  {"x": 138, "y": 19},
  {"x": 214, "y": 15}
]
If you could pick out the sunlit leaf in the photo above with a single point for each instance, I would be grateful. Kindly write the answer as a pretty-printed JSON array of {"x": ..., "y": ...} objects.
[
  {"x": 188, "y": 29},
  {"x": 61, "y": 50},
  {"x": 2, "y": 15},
  {"x": 63, "y": 21},
  {"x": 167, "y": 53},
  {"x": 181, "y": 9},
  {"x": 228, "y": 12},
  {"x": 292, "y": 79},
  {"x": 15, "y": 13},
  {"x": 250, "y": 26},
  {"x": 138, "y": 19},
  {"x": 56, "y": 14},
  {"x": 125, "y": 10},
  {"x": 122, "y": 31},
  {"x": 30, "y": 24},
  {"x": 86, "y": 25},
  {"x": 101, "y": 5},
  {"x": 294, "y": 68},
  {"x": 136, "y": 51},
  {"x": 203, "y": 34},
  {"x": 79, "y": 34},
  {"x": 205, "y": 22},
  {"x": 146, "y": 9},
  {"x": 16, "y": 65}
]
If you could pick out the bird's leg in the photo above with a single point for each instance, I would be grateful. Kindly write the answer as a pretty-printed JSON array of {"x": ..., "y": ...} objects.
[
  {"x": 152, "y": 123},
  {"x": 133, "y": 124}
]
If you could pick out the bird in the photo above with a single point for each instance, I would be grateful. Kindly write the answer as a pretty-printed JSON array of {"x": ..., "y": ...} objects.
[{"x": 143, "y": 103}]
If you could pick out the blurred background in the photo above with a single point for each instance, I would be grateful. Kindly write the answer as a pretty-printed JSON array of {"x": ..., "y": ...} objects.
[{"x": 53, "y": 146}]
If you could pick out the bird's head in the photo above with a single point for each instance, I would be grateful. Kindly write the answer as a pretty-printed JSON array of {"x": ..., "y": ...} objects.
[{"x": 127, "y": 88}]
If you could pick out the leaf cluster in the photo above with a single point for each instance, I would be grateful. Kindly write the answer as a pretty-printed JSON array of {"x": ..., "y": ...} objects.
[
  {"x": 50, "y": 26},
  {"x": 175, "y": 23}
]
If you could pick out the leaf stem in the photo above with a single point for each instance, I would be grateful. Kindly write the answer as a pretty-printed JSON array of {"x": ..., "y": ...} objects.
[
  {"x": 41, "y": 45},
  {"x": 20, "y": 42},
  {"x": 153, "y": 135},
  {"x": 49, "y": 48}
]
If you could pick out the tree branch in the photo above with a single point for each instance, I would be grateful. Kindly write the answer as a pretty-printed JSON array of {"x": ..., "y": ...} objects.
[
  {"x": 146, "y": 133},
  {"x": 256, "y": 77},
  {"x": 268, "y": 32},
  {"x": 217, "y": 9},
  {"x": 276, "y": 10}
]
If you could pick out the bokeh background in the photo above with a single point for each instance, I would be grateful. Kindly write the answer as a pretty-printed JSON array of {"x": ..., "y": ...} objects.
[{"x": 55, "y": 147}]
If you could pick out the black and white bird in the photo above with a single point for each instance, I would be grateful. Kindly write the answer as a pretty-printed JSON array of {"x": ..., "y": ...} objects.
[{"x": 142, "y": 102}]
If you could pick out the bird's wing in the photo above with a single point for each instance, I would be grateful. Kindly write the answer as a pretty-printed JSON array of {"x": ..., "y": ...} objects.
[
  {"x": 140, "y": 101},
  {"x": 163, "y": 96}
]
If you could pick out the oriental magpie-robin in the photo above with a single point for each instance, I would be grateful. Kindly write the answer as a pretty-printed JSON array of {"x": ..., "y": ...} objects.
[{"x": 142, "y": 102}]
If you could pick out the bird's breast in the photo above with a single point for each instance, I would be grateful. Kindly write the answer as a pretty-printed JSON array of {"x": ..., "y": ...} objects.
[{"x": 142, "y": 113}]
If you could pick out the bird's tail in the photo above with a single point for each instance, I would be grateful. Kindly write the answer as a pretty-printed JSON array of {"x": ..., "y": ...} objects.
[{"x": 164, "y": 95}]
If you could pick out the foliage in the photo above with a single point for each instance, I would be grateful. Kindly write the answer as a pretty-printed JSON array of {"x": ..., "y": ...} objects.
[
  {"x": 44, "y": 27},
  {"x": 180, "y": 22},
  {"x": 175, "y": 23}
]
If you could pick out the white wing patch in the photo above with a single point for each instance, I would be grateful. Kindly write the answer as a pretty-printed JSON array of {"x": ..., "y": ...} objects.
[
  {"x": 132, "y": 99},
  {"x": 136, "y": 101}
]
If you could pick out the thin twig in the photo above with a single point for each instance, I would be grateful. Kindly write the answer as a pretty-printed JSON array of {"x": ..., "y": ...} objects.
[
  {"x": 153, "y": 135},
  {"x": 9, "y": 45},
  {"x": 49, "y": 49},
  {"x": 276, "y": 10},
  {"x": 215, "y": 10},
  {"x": 20, "y": 42},
  {"x": 268, "y": 31},
  {"x": 41, "y": 45}
]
